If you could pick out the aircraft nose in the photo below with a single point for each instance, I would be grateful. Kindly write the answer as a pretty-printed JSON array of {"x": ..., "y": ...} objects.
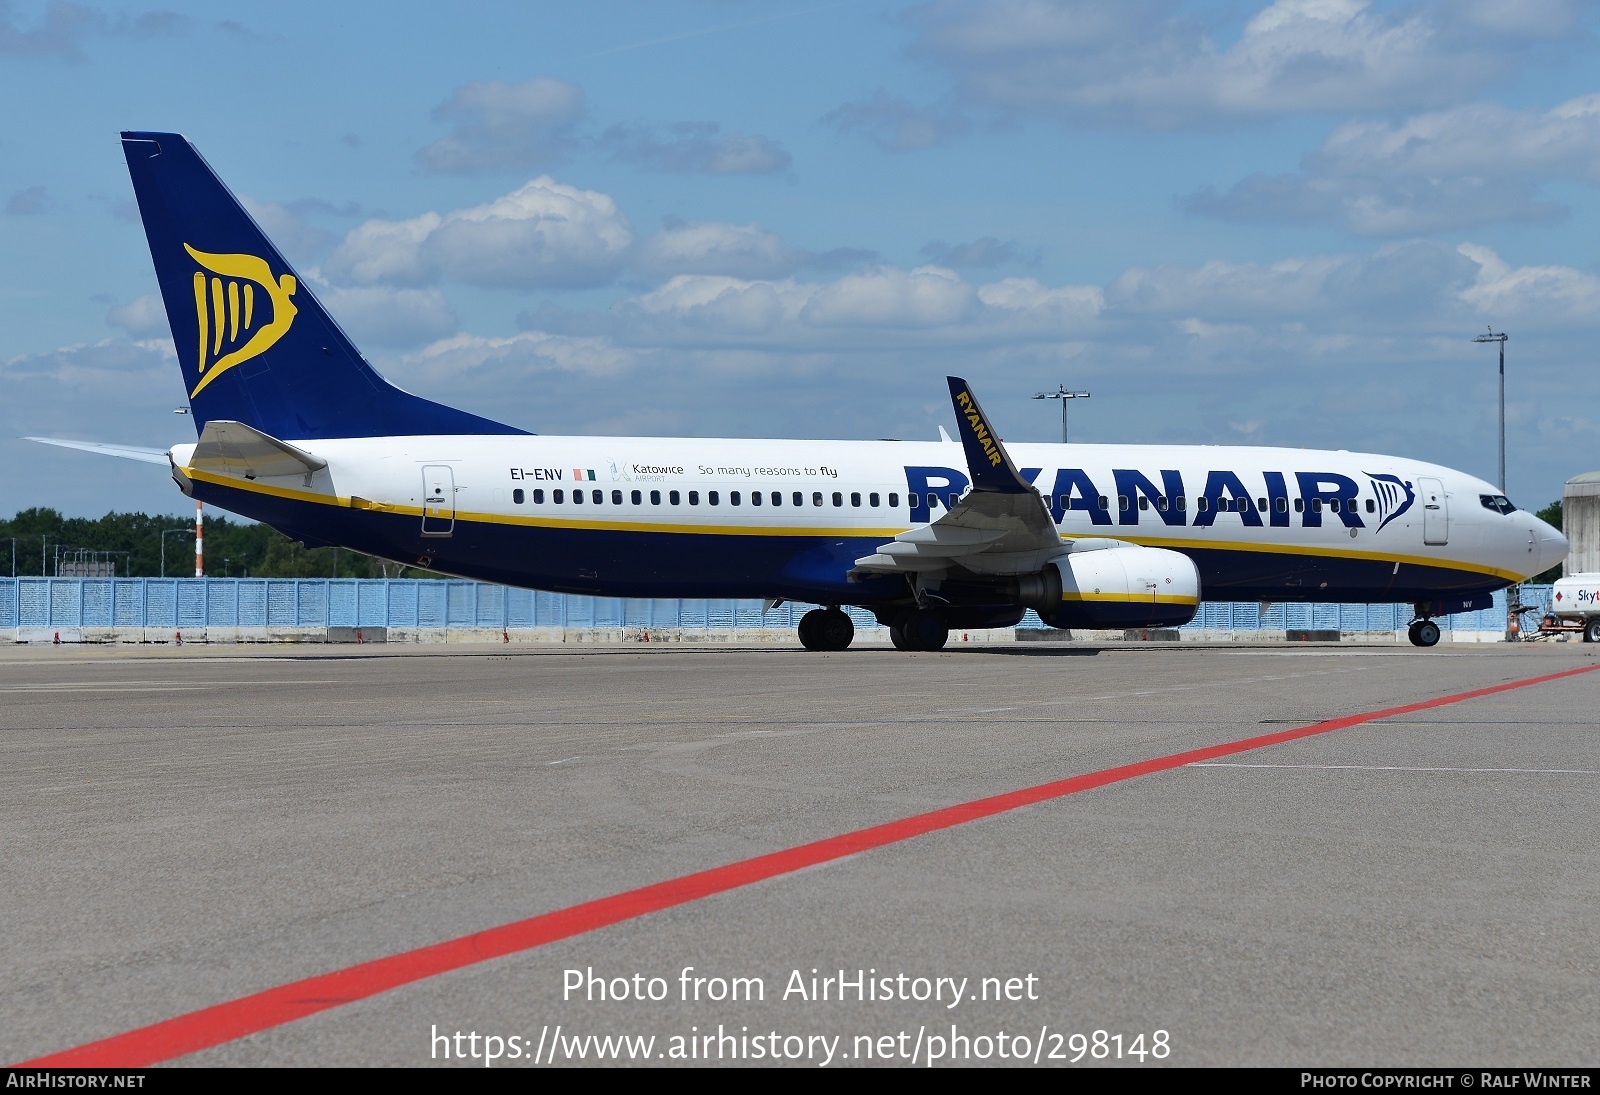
[{"x": 1553, "y": 546}]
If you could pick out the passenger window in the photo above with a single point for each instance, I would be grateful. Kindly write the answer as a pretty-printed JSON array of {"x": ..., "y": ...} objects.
[
  {"x": 1202, "y": 502},
  {"x": 1144, "y": 503},
  {"x": 1065, "y": 501},
  {"x": 816, "y": 498},
  {"x": 616, "y": 498},
  {"x": 1333, "y": 504},
  {"x": 638, "y": 499},
  {"x": 1261, "y": 504},
  {"x": 577, "y": 497},
  {"x": 674, "y": 497},
  {"x": 800, "y": 499},
  {"x": 894, "y": 501},
  {"x": 711, "y": 498},
  {"x": 855, "y": 499},
  {"x": 1104, "y": 502},
  {"x": 655, "y": 498},
  {"x": 1122, "y": 502},
  {"x": 517, "y": 496},
  {"x": 1299, "y": 505},
  {"x": 913, "y": 500},
  {"x": 933, "y": 501},
  {"x": 1180, "y": 501},
  {"x": 755, "y": 498},
  {"x": 558, "y": 496},
  {"x": 872, "y": 499},
  {"x": 733, "y": 498},
  {"x": 777, "y": 498},
  {"x": 538, "y": 497},
  {"x": 1371, "y": 506},
  {"x": 1161, "y": 503},
  {"x": 838, "y": 499},
  {"x": 694, "y": 498},
  {"x": 598, "y": 497}
]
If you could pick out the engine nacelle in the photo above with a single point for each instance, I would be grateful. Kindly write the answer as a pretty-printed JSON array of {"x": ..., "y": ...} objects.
[{"x": 1122, "y": 586}]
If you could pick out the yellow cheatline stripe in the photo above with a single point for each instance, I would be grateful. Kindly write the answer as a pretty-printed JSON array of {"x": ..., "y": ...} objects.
[
  {"x": 1132, "y": 598},
  {"x": 345, "y": 502}
]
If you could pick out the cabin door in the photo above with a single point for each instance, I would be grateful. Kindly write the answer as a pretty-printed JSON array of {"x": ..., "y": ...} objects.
[
  {"x": 438, "y": 500},
  {"x": 1435, "y": 512}
]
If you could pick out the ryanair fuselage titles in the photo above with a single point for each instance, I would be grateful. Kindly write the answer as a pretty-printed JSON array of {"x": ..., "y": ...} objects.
[{"x": 296, "y": 429}]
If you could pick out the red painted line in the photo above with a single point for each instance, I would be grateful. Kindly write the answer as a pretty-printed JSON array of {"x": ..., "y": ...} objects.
[{"x": 197, "y": 1030}]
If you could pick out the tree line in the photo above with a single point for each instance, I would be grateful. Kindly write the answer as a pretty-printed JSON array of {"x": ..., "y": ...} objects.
[{"x": 233, "y": 548}]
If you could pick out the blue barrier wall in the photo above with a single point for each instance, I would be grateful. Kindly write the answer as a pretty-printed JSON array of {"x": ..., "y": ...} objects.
[{"x": 411, "y": 603}]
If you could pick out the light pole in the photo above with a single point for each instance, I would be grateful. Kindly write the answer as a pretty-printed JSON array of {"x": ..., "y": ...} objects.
[
  {"x": 1501, "y": 339},
  {"x": 1062, "y": 394},
  {"x": 164, "y": 535}
]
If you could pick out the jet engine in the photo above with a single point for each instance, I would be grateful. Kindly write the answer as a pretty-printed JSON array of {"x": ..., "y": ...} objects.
[{"x": 1119, "y": 585}]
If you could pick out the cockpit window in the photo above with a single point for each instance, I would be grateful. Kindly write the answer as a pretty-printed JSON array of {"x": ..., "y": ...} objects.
[{"x": 1497, "y": 502}]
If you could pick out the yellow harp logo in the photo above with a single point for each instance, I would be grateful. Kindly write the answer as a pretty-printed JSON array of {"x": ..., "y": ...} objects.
[{"x": 229, "y": 312}]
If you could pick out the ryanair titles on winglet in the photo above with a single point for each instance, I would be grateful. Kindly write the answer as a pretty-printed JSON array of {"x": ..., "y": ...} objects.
[{"x": 1139, "y": 498}]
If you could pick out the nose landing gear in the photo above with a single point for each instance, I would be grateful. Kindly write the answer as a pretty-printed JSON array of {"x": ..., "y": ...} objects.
[{"x": 1423, "y": 633}]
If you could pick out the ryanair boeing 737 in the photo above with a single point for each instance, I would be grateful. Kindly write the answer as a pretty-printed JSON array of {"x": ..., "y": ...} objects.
[{"x": 298, "y": 431}]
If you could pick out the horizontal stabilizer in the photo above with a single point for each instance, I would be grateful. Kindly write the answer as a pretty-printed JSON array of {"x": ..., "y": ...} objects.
[
  {"x": 236, "y": 450},
  {"x": 127, "y": 452}
]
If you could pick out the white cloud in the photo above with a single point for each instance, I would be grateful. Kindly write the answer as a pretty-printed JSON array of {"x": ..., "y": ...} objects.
[
  {"x": 144, "y": 317},
  {"x": 1508, "y": 295},
  {"x": 929, "y": 296},
  {"x": 1471, "y": 165},
  {"x": 1149, "y": 62},
  {"x": 497, "y": 125},
  {"x": 543, "y": 234},
  {"x": 709, "y": 247}
]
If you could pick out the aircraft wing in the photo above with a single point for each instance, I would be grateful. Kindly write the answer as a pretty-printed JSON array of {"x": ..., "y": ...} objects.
[
  {"x": 127, "y": 452},
  {"x": 1001, "y": 526}
]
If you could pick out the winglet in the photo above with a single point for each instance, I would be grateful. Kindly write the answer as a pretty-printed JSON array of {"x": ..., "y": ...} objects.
[{"x": 987, "y": 462}]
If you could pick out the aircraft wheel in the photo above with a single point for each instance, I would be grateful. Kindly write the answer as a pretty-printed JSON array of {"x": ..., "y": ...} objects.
[
  {"x": 925, "y": 629},
  {"x": 1591, "y": 631},
  {"x": 897, "y": 634},
  {"x": 811, "y": 629},
  {"x": 1425, "y": 633},
  {"x": 836, "y": 629}
]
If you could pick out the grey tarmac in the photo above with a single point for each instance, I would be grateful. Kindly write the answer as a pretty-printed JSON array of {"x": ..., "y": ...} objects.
[{"x": 185, "y": 826}]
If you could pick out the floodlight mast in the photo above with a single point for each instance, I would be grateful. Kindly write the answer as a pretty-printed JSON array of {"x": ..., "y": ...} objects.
[
  {"x": 1501, "y": 339},
  {"x": 1062, "y": 394}
]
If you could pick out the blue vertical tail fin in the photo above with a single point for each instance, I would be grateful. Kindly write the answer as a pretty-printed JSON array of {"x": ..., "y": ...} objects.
[{"x": 254, "y": 344}]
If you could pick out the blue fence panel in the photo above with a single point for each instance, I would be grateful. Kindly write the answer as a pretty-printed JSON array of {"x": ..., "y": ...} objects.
[
  {"x": 371, "y": 605},
  {"x": 402, "y": 602},
  {"x": 8, "y": 603},
  {"x": 432, "y": 602},
  {"x": 519, "y": 608},
  {"x": 311, "y": 603},
  {"x": 253, "y": 602},
  {"x": 99, "y": 602},
  {"x": 281, "y": 599},
  {"x": 491, "y": 606},
  {"x": 66, "y": 602},
  {"x": 161, "y": 602},
  {"x": 342, "y": 603},
  {"x": 461, "y": 608},
  {"x": 192, "y": 602}
]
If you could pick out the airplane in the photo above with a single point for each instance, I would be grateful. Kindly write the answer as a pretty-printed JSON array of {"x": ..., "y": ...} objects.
[{"x": 297, "y": 430}]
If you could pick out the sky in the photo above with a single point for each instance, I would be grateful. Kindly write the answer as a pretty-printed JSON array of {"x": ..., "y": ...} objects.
[{"x": 1230, "y": 222}]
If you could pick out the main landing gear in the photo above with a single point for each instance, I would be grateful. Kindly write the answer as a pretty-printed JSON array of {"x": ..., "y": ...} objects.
[
  {"x": 919, "y": 629},
  {"x": 1423, "y": 633},
  {"x": 826, "y": 629}
]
